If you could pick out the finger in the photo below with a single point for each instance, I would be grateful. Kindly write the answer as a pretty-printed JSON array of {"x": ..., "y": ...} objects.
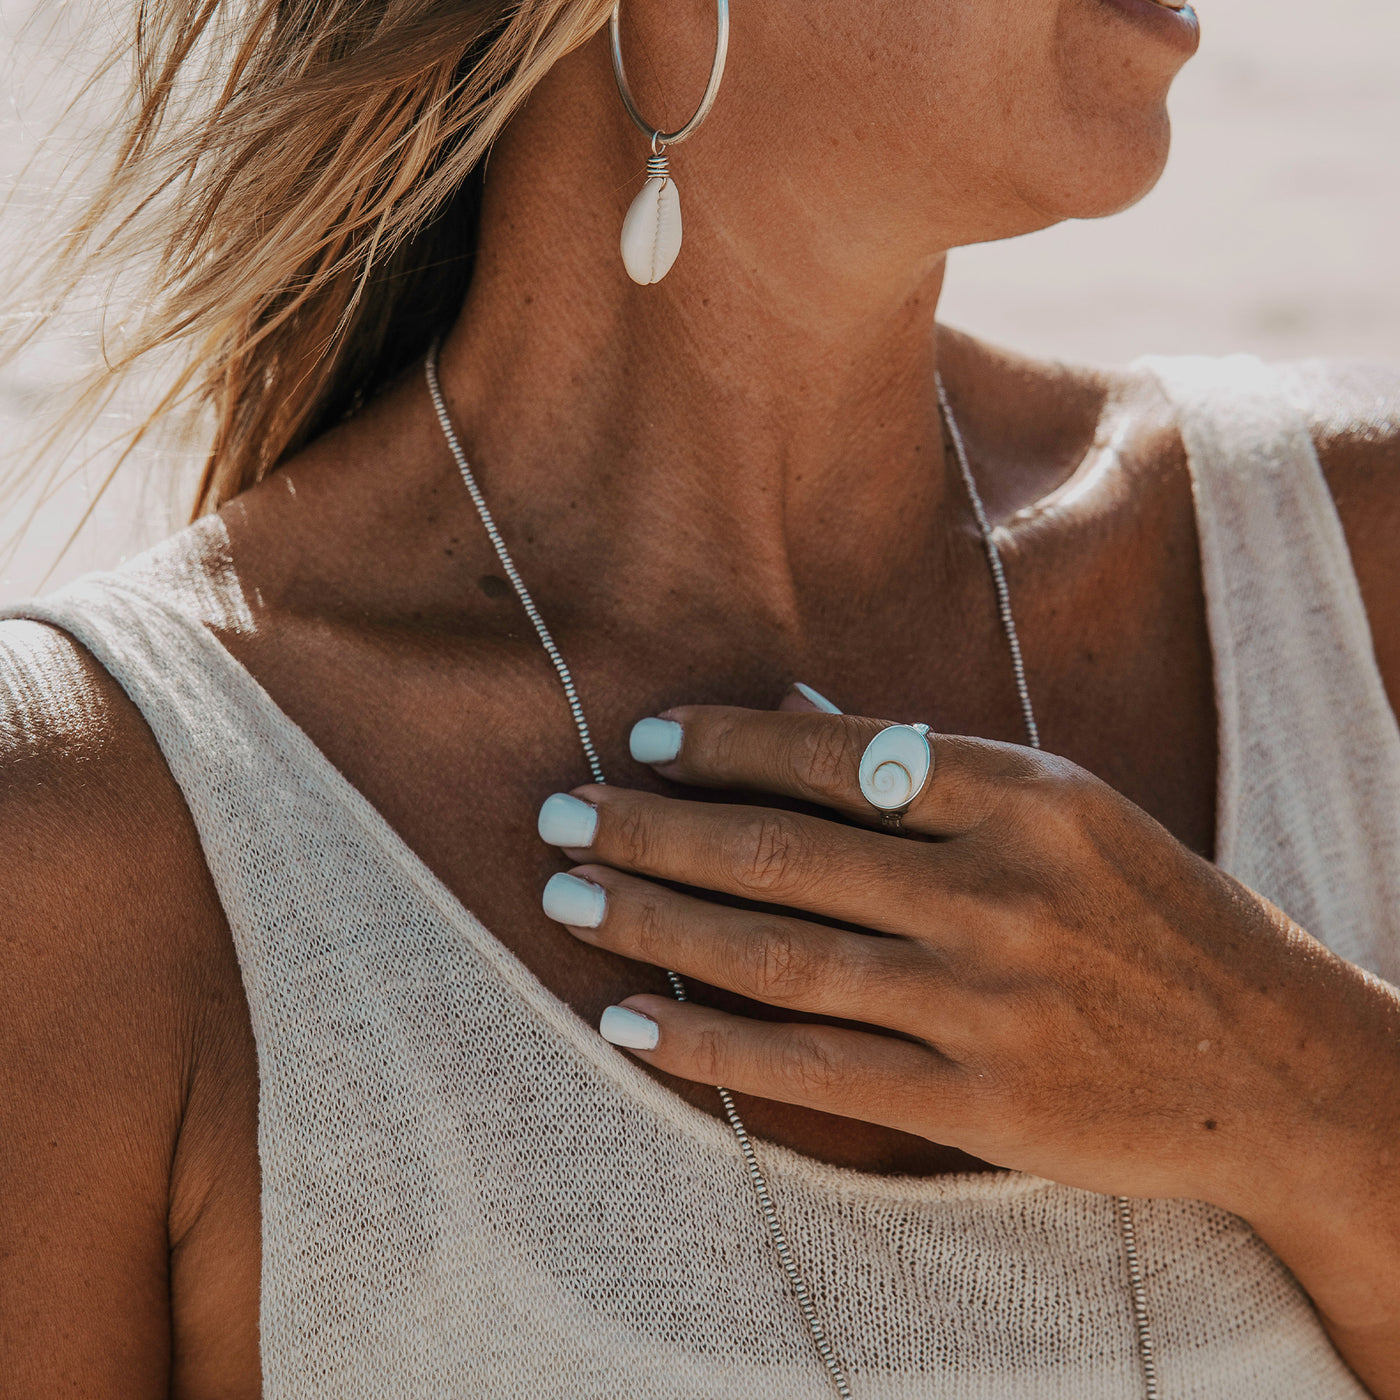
[
  {"x": 771, "y": 958},
  {"x": 764, "y": 854},
  {"x": 816, "y": 757},
  {"x": 856, "y": 1074}
]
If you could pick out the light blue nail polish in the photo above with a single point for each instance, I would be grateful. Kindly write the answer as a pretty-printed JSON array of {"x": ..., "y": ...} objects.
[
  {"x": 567, "y": 821},
  {"x": 570, "y": 900},
  {"x": 816, "y": 698},
  {"x": 629, "y": 1029},
  {"x": 655, "y": 740}
]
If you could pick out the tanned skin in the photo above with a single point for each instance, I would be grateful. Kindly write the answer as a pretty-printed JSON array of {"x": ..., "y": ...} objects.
[{"x": 745, "y": 457}]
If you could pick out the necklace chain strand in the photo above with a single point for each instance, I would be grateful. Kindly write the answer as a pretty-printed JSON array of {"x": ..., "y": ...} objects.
[
  {"x": 1123, "y": 1207},
  {"x": 759, "y": 1182},
  {"x": 508, "y": 564},
  {"x": 800, "y": 1292}
]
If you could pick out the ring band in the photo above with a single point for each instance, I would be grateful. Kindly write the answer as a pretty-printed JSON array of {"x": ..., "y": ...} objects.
[{"x": 894, "y": 770}]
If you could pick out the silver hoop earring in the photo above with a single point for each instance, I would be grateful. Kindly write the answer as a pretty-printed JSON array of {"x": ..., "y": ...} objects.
[{"x": 651, "y": 232}]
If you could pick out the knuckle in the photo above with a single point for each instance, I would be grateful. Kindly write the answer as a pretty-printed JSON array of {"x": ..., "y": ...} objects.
[
  {"x": 1057, "y": 829},
  {"x": 1049, "y": 787},
  {"x": 708, "y": 1059},
  {"x": 990, "y": 785},
  {"x": 723, "y": 745},
  {"x": 1041, "y": 819},
  {"x": 766, "y": 853},
  {"x": 783, "y": 966},
  {"x": 647, "y": 931},
  {"x": 828, "y": 755},
  {"x": 631, "y": 834},
  {"x": 811, "y": 1067}
]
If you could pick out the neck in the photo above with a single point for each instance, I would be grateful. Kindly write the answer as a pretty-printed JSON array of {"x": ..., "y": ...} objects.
[{"x": 759, "y": 411}]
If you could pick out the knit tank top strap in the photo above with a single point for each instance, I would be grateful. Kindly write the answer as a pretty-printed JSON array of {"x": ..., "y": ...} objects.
[
  {"x": 224, "y": 742},
  {"x": 284, "y": 834},
  {"x": 193, "y": 695},
  {"x": 1310, "y": 750}
]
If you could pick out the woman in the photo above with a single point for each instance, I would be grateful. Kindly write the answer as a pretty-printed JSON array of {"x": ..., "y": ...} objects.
[{"x": 1042, "y": 1101}]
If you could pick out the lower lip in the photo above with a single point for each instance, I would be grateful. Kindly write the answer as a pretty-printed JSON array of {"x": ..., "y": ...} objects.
[{"x": 1179, "y": 27}]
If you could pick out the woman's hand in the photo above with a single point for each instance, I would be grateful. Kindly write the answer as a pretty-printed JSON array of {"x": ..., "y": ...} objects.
[
  {"x": 1050, "y": 980},
  {"x": 1072, "y": 992}
]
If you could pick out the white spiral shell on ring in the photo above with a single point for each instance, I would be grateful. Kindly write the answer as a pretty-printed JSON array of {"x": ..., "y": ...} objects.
[{"x": 895, "y": 766}]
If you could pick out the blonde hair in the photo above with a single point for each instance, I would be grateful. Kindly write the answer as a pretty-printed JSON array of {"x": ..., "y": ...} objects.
[{"x": 302, "y": 178}]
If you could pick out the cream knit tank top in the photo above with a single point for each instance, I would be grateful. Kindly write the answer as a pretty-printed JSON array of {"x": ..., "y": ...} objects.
[{"x": 466, "y": 1192}]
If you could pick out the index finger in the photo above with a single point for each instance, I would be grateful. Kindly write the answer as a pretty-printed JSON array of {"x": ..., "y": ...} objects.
[{"x": 816, "y": 758}]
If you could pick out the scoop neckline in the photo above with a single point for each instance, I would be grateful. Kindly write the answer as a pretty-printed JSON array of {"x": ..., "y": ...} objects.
[
  {"x": 314, "y": 767},
  {"x": 582, "y": 1038}
]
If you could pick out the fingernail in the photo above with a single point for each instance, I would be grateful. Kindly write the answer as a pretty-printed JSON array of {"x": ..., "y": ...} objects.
[
  {"x": 629, "y": 1029},
  {"x": 567, "y": 821},
  {"x": 655, "y": 740},
  {"x": 570, "y": 900},
  {"x": 816, "y": 697}
]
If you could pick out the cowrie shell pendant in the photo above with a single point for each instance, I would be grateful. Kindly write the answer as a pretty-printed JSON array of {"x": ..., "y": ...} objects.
[
  {"x": 895, "y": 769},
  {"x": 651, "y": 232}
]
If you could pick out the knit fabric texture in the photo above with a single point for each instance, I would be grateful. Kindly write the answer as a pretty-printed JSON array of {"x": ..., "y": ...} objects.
[{"x": 466, "y": 1192}]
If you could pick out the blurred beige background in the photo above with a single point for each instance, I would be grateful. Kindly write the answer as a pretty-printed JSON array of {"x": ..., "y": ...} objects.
[{"x": 1275, "y": 230}]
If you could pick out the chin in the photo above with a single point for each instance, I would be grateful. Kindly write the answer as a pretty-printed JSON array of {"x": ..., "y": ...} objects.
[
  {"x": 1106, "y": 175},
  {"x": 1137, "y": 177},
  {"x": 1115, "y": 62}
]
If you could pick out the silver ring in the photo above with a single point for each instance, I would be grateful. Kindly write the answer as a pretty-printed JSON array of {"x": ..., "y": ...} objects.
[
  {"x": 895, "y": 769},
  {"x": 655, "y": 134}
]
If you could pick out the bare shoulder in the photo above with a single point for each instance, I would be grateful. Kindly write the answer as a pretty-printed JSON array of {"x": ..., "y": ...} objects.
[
  {"x": 1353, "y": 412},
  {"x": 94, "y": 827},
  {"x": 110, "y": 934},
  {"x": 90, "y": 818}
]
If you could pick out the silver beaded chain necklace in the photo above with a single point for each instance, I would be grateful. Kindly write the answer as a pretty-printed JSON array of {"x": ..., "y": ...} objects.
[{"x": 1123, "y": 1207}]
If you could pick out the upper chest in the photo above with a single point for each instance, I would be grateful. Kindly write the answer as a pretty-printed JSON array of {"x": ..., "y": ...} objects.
[{"x": 456, "y": 741}]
